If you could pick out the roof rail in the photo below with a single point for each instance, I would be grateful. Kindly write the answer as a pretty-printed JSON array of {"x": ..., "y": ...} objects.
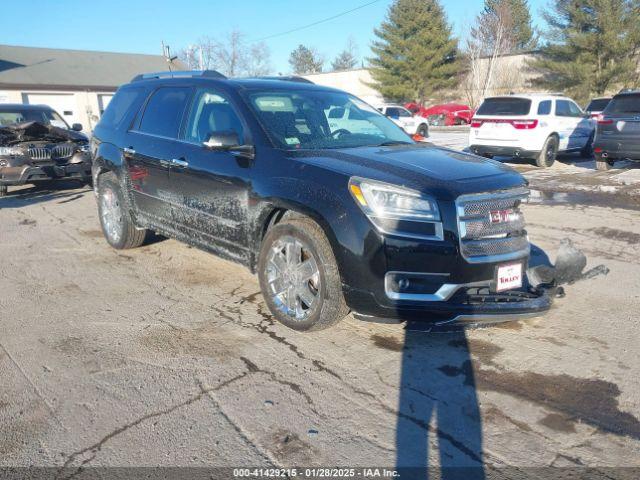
[
  {"x": 287, "y": 78},
  {"x": 179, "y": 74},
  {"x": 629, "y": 90}
]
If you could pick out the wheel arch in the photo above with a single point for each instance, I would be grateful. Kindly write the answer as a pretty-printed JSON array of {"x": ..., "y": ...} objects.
[{"x": 277, "y": 212}]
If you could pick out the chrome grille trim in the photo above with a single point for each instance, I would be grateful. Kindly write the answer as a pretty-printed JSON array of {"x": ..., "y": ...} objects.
[
  {"x": 62, "y": 151},
  {"x": 40, "y": 153},
  {"x": 482, "y": 241}
]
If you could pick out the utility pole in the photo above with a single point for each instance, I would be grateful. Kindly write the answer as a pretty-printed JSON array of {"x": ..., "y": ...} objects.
[{"x": 166, "y": 53}]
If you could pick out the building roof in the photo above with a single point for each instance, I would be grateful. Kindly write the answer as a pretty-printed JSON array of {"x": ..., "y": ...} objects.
[{"x": 57, "y": 69}]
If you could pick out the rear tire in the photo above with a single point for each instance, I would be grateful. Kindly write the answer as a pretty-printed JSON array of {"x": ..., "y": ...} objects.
[
  {"x": 603, "y": 164},
  {"x": 115, "y": 216},
  {"x": 547, "y": 156},
  {"x": 299, "y": 276},
  {"x": 4, "y": 190},
  {"x": 423, "y": 130}
]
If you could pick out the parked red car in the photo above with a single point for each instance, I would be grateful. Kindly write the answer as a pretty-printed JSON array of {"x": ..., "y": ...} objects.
[{"x": 447, "y": 114}]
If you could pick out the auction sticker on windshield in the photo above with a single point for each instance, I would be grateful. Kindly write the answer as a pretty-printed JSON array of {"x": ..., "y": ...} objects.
[{"x": 509, "y": 277}]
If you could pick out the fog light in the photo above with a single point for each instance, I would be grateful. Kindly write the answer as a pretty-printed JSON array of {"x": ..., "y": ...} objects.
[
  {"x": 404, "y": 283},
  {"x": 3, "y": 163}
]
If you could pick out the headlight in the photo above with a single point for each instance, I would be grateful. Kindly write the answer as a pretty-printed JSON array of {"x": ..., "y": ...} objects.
[
  {"x": 84, "y": 148},
  {"x": 9, "y": 151},
  {"x": 386, "y": 200},
  {"x": 397, "y": 210}
]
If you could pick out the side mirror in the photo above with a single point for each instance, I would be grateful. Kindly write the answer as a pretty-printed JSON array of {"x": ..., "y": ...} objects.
[
  {"x": 76, "y": 127},
  {"x": 222, "y": 140},
  {"x": 229, "y": 142}
]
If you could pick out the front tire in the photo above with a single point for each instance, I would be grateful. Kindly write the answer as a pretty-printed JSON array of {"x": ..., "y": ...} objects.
[
  {"x": 423, "y": 130},
  {"x": 547, "y": 156},
  {"x": 115, "y": 218},
  {"x": 299, "y": 276}
]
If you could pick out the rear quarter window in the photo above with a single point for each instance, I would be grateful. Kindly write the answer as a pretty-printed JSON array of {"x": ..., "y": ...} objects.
[
  {"x": 163, "y": 113},
  {"x": 544, "y": 107},
  {"x": 505, "y": 106},
  {"x": 125, "y": 101},
  {"x": 624, "y": 104}
]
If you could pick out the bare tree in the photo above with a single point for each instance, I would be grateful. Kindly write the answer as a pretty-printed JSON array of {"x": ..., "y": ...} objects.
[
  {"x": 486, "y": 47},
  {"x": 231, "y": 55}
]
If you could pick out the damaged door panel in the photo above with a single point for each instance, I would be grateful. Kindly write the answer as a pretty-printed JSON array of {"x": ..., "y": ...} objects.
[
  {"x": 149, "y": 149},
  {"x": 210, "y": 188}
]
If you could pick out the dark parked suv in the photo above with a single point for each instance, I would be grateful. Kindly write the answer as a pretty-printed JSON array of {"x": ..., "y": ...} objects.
[
  {"x": 356, "y": 218},
  {"x": 618, "y": 131}
]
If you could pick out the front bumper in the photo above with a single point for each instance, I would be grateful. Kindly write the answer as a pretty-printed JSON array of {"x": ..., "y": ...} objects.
[
  {"x": 468, "y": 306},
  {"x": 33, "y": 173},
  {"x": 503, "y": 151}
]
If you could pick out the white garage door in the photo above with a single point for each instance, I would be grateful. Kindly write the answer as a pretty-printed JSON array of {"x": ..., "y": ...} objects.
[
  {"x": 63, "y": 103},
  {"x": 103, "y": 101}
]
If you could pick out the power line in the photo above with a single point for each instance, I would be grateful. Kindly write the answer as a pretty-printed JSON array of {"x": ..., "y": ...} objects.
[{"x": 318, "y": 22}]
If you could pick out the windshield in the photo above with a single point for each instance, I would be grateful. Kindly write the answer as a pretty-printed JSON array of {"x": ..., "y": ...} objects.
[
  {"x": 10, "y": 116},
  {"x": 311, "y": 119}
]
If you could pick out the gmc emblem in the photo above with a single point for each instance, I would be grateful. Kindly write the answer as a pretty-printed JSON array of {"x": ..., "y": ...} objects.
[{"x": 502, "y": 216}]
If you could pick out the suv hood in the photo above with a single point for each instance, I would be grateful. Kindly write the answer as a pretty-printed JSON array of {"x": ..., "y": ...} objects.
[
  {"x": 423, "y": 167},
  {"x": 36, "y": 131}
]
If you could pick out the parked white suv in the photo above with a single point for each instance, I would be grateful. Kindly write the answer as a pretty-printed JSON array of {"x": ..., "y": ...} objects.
[
  {"x": 405, "y": 119},
  {"x": 534, "y": 126}
]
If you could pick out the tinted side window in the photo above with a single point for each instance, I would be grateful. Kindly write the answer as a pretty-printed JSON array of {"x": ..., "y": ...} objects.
[
  {"x": 212, "y": 113},
  {"x": 123, "y": 102},
  {"x": 164, "y": 111},
  {"x": 393, "y": 112},
  {"x": 544, "y": 108},
  {"x": 505, "y": 106},
  {"x": 565, "y": 108}
]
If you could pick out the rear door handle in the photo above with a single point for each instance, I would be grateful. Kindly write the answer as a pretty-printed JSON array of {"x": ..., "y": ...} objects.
[{"x": 179, "y": 162}]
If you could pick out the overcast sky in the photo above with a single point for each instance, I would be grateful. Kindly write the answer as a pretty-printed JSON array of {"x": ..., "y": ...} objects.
[{"x": 140, "y": 25}]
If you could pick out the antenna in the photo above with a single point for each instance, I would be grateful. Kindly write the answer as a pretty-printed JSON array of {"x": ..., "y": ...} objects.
[{"x": 166, "y": 53}]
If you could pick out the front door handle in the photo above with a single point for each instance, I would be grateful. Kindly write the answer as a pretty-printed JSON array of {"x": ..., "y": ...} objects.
[
  {"x": 179, "y": 162},
  {"x": 129, "y": 151}
]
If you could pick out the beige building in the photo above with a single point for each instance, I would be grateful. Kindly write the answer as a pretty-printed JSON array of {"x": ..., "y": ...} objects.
[
  {"x": 357, "y": 82},
  {"x": 509, "y": 73},
  {"x": 78, "y": 84}
]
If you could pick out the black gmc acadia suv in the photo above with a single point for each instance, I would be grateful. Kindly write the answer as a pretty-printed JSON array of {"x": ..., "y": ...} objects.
[{"x": 353, "y": 217}]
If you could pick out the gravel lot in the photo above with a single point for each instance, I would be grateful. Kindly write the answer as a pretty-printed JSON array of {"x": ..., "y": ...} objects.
[{"x": 165, "y": 355}]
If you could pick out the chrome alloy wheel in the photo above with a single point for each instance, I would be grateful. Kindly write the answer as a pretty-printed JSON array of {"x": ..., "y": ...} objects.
[
  {"x": 293, "y": 277},
  {"x": 111, "y": 214}
]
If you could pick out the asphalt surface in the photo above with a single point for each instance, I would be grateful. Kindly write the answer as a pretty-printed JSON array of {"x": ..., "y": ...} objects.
[{"x": 165, "y": 355}]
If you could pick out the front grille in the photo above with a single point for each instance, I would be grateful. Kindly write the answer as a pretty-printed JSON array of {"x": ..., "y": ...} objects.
[
  {"x": 62, "y": 151},
  {"x": 40, "y": 153},
  {"x": 483, "y": 238}
]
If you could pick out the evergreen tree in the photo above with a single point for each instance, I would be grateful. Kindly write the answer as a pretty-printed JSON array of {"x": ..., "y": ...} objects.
[
  {"x": 348, "y": 58},
  {"x": 415, "y": 53},
  {"x": 593, "y": 47},
  {"x": 305, "y": 60},
  {"x": 523, "y": 32}
]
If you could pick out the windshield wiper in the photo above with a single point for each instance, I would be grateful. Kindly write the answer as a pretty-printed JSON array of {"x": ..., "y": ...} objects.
[{"x": 393, "y": 142}]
